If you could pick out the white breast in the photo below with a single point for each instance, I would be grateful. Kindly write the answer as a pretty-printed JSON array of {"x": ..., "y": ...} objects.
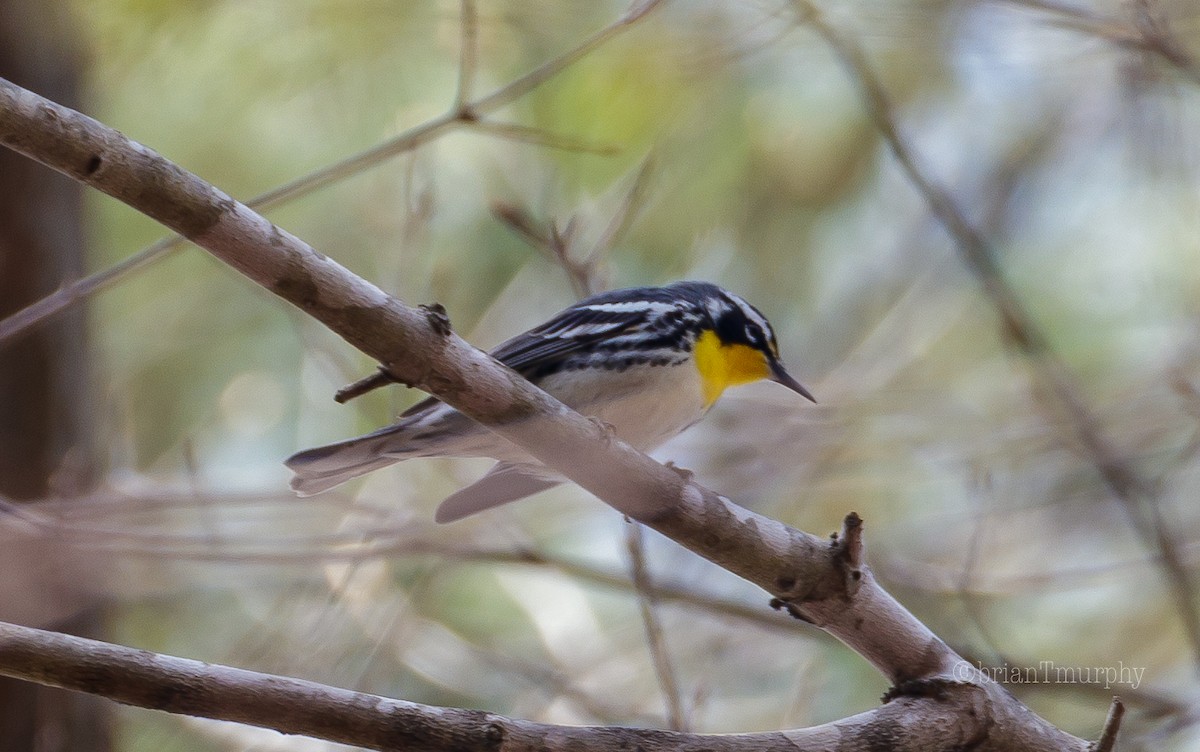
[{"x": 646, "y": 406}]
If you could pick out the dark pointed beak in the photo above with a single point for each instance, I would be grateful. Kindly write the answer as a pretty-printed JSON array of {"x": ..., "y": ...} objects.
[{"x": 781, "y": 376}]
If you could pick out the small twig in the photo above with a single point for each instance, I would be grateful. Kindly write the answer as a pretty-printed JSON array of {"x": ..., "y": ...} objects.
[
  {"x": 553, "y": 242},
  {"x": 522, "y": 222},
  {"x": 850, "y": 552},
  {"x": 71, "y": 293},
  {"x": 468, "y": 55},
  {"x": 1147, "y": 33},
  {"x": 779, "y": 604},
  {"x": 1112, "y": 725},
  {"x": 965, "y": 590},
  {"x": 626, "y": 213},
  {"x": 557, "y": 244},
  {"x": 22, "y": 513},
  {"x": 378, "y": 542},
  {"x": 639, "y": 8},
  {"x": 635, "y": 544},
  {"x": 851, "y": 540},
  {"x": 380, "y": 378},
  {"x": 535, "y": 78},
  {"x": 1157, "y": 38},
  {"x": 435, "y": 315},
  {"x": 542, "y": 137}
]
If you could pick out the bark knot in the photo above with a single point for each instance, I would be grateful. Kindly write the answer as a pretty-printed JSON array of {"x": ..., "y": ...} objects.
[{"x": 437, "y": 318}]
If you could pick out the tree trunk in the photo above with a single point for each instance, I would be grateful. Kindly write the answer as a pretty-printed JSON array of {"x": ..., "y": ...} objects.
[{"x": 45, "y": 404}]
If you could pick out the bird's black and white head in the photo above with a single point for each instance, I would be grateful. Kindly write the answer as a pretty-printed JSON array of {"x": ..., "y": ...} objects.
[
  {"x": 728, "y": 340},
  {"x": 736, "y": 344}
]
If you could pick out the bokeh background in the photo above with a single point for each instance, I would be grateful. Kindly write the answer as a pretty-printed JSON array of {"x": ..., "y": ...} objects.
[{"x": 1029, "y": 487}]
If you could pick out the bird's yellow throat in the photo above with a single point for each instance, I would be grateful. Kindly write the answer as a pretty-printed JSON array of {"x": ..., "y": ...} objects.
[{"x": 722, "y": 365}]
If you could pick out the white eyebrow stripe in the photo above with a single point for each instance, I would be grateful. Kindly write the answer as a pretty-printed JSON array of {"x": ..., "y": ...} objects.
[{"x": 751, "y": 314}]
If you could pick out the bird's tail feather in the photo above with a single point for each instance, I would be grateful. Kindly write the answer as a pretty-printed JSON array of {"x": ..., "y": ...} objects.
[{"x": 324, "y": 467}]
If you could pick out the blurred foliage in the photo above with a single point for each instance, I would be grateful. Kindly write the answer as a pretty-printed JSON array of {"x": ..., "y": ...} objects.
[{"x": 1075, "y": 155}]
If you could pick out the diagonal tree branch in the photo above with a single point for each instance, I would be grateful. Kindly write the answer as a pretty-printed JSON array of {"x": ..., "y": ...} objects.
[
  {"x": 295, "y": 706},
  {"x": 824, "y": 583}
]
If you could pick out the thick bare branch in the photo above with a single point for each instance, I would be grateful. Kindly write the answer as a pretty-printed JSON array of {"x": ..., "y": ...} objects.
[{"x": 929, "y": 723}]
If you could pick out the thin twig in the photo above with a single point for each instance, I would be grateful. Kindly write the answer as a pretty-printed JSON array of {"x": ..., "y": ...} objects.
[
  {"x": 1112, "y": 725},
  {"x": 468, "y": 59},
  {"x": 538, "y": 76},
  {"x": 1018, "y": 326},
  {"x": 664, "y": 669},
  {"x": 544, "y": 138},
  {"x": 553, "y": 242},
  {"x": 1148, "y": 32},
  {"x": 380, "y": 378},
  {"x": 384, "y": 540},
  {"x": 557, "y": 243},
  {"x": 623, "y": 218}
]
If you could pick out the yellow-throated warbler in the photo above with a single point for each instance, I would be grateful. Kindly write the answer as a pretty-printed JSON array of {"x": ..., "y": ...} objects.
[{"x": 649, "y": 361}]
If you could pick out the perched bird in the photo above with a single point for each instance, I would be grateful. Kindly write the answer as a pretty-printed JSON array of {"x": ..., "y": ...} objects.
[{"x": 649, "y": 361}]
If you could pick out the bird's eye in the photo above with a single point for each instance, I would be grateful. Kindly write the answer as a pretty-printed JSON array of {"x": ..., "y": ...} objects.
[{"x": 754, "y": 335}]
